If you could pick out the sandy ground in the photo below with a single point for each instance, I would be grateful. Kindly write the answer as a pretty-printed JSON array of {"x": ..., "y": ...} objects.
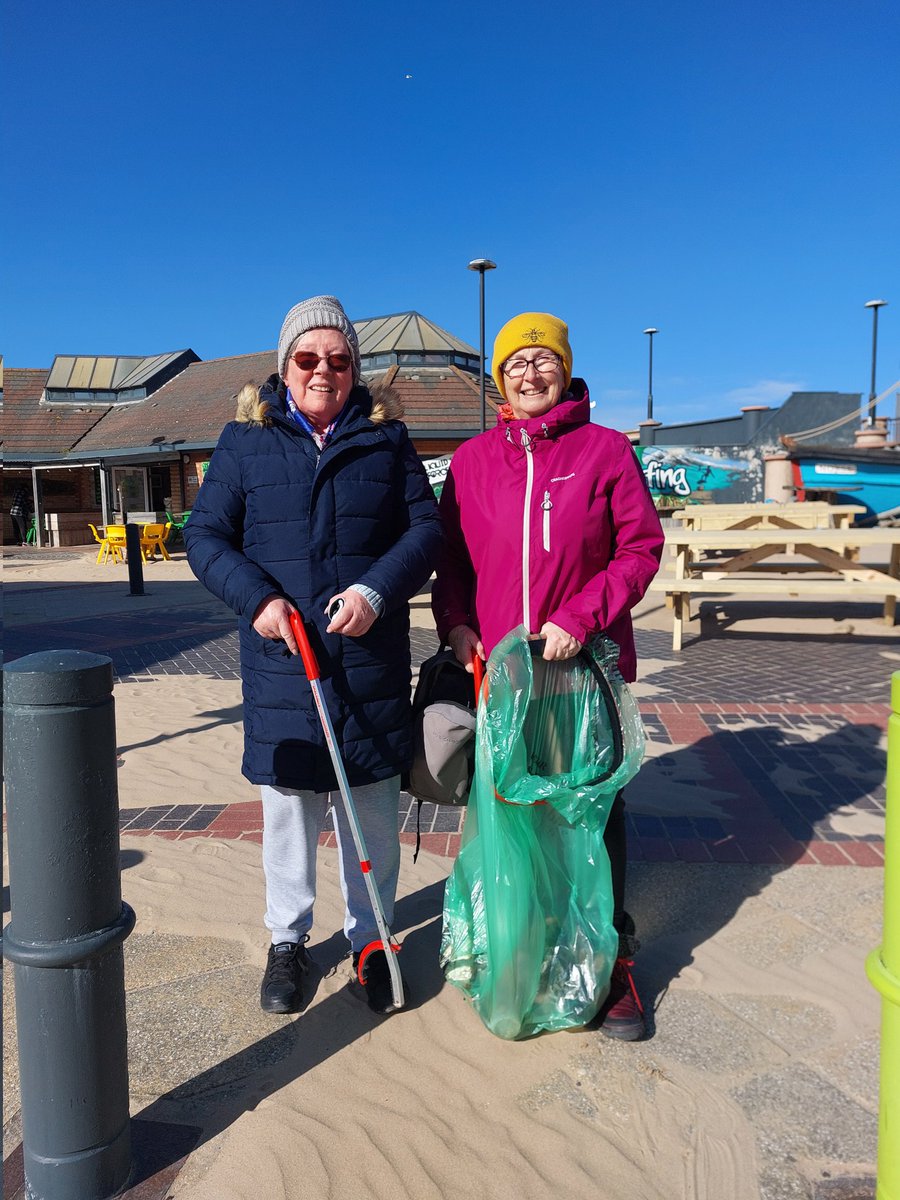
[{"x": 428, "y": 1103}]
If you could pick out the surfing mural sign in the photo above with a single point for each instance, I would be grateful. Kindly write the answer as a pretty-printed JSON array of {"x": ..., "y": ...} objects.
[{"x": 682, "y": 472}]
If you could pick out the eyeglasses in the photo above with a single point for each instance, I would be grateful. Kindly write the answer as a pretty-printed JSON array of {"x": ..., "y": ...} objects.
[
  {"x": 304, "y": 360},
  {"x": 545, "y": 363}
]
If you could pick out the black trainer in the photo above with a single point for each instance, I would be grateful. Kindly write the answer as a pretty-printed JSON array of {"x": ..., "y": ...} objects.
[
  {"x": 377, "y": 982},
  {"x": 282, "y": 985}
]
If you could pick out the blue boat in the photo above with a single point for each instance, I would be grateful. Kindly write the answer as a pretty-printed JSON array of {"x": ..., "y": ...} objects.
[{"x": 869, "y": 476}]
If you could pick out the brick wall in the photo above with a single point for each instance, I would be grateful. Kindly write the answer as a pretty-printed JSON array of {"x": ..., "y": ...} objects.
[{"x": 193, "y": 477}]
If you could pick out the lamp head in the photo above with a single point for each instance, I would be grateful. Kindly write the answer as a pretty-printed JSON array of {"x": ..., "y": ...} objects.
[
  {"x": 482, "y": 265},
  {"x": 651, "y": 331},
  {"x": 875, "y": 303}
]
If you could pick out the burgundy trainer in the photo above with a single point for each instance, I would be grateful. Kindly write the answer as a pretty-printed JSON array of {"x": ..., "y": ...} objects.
[{"x": 622, "y": 1015}]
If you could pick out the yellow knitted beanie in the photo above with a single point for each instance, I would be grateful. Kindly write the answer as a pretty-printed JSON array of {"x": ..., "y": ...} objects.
[{"x": 531, "y": 329}]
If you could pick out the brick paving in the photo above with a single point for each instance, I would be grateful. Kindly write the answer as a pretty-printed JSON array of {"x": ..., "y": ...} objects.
[{"x": 787, "y": 732}]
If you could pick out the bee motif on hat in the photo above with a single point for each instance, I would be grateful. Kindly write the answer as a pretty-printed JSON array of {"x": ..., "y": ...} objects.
[{"x": 533, "y": 335}]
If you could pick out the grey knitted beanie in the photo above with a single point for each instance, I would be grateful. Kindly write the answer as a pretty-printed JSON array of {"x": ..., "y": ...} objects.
[{"x": 318, "y": 312}]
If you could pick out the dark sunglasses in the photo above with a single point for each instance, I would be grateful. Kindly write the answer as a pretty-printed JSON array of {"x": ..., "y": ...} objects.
[{"x": 306, "y": 361}]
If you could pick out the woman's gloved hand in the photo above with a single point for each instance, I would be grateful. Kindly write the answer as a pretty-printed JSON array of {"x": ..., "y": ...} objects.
[
  {"x": 560, "y": 645},
  {"x": 464, "y": 642}
]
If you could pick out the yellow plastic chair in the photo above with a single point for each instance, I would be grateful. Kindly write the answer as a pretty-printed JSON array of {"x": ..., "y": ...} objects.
[
  {"x": 115, "y": 535},
  {"x": 107, "y": 549},
  {"x": 153, "y": 538}
]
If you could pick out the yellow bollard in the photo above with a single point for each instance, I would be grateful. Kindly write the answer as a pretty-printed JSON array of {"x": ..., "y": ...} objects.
[{"x": 883, "y": 969}]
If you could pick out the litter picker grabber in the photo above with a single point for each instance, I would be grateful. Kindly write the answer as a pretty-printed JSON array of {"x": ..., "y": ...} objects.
[{"x": 390, "y": 947}]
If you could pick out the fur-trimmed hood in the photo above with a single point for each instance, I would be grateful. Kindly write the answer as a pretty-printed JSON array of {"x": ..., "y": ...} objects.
[{"x": 380, "y": 403}]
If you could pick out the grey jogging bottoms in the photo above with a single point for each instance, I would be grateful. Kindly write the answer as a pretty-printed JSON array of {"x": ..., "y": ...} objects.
[{"x": 292, "y": 822}]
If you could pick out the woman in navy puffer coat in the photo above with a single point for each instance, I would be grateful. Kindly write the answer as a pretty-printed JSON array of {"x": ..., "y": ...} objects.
[{"x": 315, "y": 494}]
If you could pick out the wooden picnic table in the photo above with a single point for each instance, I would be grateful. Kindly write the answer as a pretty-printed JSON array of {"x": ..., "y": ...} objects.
[
  {"x": 812, "y": 514},
  {"x": 747, "y": 566}
]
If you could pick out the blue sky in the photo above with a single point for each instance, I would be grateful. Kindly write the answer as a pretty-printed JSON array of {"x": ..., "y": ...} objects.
[{"x": 179, "y": 174}]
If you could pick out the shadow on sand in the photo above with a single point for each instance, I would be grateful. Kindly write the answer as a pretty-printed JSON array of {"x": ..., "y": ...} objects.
[{"x": 785, "y": 791}]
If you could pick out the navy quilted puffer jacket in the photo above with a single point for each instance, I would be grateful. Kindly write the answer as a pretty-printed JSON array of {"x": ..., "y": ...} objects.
[{"x": 275, "y": 515}]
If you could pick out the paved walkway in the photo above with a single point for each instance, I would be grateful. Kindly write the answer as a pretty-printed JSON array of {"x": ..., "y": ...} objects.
[
  {"x": 763, "y": 749},
  {"x": 755, "y": 824}
]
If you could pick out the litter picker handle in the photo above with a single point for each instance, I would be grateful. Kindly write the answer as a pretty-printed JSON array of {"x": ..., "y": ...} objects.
[
  {"x": 310, "y": 662},
  {"x": 478, "y": 668},
  {"x": 311, "y": 666}
]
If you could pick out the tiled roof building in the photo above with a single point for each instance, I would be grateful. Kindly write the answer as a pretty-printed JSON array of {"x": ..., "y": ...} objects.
[
  {"x": 435, "y": 374},
  {"x": 142, "y": 429},
  {"x": 189, "y": 411},
  {"x": 39, "y": 431}
]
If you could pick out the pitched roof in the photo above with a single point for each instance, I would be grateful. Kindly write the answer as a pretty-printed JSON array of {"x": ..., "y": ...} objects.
[
  {"x": 408, "y": 331},
  {"x": 108, "y": 379},
  {"x": 32, "y": 429},
  {"x": 192, "y": 408},
  {"x": 800, "y": 411},
  {"x": 809, "y": 411},
  {"x": 442, "y": 401}
]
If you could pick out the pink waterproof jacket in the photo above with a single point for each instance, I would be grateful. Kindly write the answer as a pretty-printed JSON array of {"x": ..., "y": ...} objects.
[{"x": 548, "y": 518}]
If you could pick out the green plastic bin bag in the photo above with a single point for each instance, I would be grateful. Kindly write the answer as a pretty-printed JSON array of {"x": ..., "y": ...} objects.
[{"x": 528, "y": 932}]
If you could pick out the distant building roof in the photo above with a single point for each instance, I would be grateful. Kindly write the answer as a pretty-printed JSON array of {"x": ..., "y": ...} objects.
[
  {"x": 407, "y": 332},
  {"x": 805, "y": 411},
  {"x": 441, "y": 402},
  {"x": 111, "y": 379},
  {"x": 32, "y": 430},
  {"x": 435, "y": 374},
  {"x": 190, "y": 410},
  {"x": 759, "y": 425},
  {"x": 112, "y": 406}
]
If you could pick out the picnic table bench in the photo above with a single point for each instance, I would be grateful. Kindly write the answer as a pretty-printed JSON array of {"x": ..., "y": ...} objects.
[
  {"x": 747, "y": 569},
  {"x": 808, "y": 515}
]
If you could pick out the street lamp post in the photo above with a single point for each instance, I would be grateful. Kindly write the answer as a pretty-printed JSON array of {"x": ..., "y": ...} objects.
[
  {"x": 481, "y": 265},
  {"x": 650, "y": 332},
  {"x": 874, "y": 305}
]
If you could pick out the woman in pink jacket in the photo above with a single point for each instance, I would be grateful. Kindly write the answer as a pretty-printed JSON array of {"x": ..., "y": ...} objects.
[{"x": 549, "y": 523}]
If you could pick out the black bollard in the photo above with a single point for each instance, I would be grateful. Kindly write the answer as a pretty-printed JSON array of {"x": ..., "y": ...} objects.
[
  {"x": 68, "y": 924},
  {"x": 135, "y": 560}
]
